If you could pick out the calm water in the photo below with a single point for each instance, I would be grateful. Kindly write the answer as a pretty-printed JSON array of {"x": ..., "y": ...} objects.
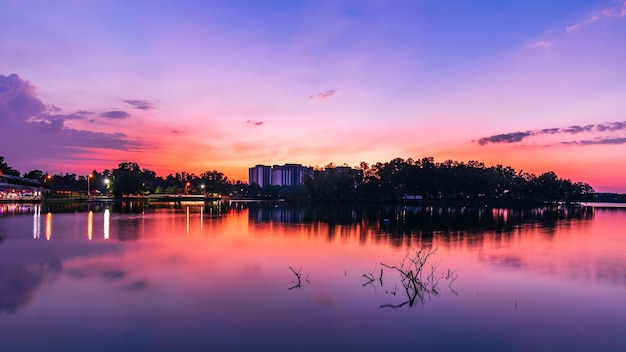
[{"x": 233, "y": 277}]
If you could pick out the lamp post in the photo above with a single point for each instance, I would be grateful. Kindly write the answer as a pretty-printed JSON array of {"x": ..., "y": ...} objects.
[
  {"x": 187, "y": 187},
  {"x": 88, "y": 186}
]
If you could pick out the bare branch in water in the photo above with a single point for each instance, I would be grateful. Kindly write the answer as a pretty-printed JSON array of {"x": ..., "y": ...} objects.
[
  {"x": 370, "y": 277},
  {"x": 298, "y": 282},
  {"x": 419, "y": 276}
]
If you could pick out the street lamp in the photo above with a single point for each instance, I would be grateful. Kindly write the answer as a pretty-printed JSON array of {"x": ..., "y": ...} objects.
[
  {"x": 88, "y": 187},
  {"x": 187, "y": 187}
]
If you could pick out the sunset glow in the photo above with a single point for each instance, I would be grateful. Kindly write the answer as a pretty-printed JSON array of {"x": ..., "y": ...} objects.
[{"x": 225, "y": 85}]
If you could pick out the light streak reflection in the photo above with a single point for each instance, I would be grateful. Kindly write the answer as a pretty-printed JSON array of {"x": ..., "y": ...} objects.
[
  {"x": 37, "y": 222},
  {"x": 107, "y": 215},
  {"x": 48, "y": 226},
  {"x": 90, "y": 225}
]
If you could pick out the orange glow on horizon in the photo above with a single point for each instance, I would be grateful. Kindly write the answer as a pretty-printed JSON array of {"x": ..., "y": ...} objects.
[{"x": 577, "y": 163}]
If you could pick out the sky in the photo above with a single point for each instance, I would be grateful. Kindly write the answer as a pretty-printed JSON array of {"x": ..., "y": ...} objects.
[{"x": 225, "y": 85}]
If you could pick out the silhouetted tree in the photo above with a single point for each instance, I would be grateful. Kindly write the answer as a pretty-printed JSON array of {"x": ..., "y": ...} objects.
[
  {"x": 6, "y": 169},
  {"x": 128, "y": 178},
  {"x": 34, "y": 175}
]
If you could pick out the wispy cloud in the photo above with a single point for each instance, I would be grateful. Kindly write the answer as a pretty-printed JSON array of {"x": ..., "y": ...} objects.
[
  {"x": 53, "y": 108},
  {"x": 50, "y": 118},
  {"x": 616, "y": 11},
  {"x": 115, "y": 114},
  {"x": 515, "y": 137},
  {"x": 140, "y": 104},
  {"x": 505, "y": 138},
  {"x": 578, "y": 25},
  {"x": 255, "y": 123},
  {"x": 541, "y": 44},
  {"x": 323, "y": 95},
  {"x": 616, "y": 141}
]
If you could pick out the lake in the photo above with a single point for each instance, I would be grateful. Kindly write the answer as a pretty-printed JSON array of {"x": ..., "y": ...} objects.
[{"x": 276, "y": 277}]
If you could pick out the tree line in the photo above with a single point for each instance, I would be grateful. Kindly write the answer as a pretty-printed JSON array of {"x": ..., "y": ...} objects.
[
  {"x": 401, "y": 179},
  {"x": 395, "y": 180},
  {"x": 130, "y": 179}
]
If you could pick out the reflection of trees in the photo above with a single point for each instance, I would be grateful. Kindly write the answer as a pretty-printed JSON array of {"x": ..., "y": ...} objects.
[
  {"x": 419, "y": 277},
  {"x": 392, "y": 220},
  {"x": 403, "y": 221}
]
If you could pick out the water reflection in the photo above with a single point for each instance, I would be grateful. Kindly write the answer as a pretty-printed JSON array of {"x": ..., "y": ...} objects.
[
  {"x": 200, "y": 276},
  {"x": 27, "y": 266},
  {"x": 37, "y": 222},
  {"x": 48, "y": 226},
  {"x": 409, "y": 222},
  {"x": 404, "y": 225},
  {"x": 90, "y": 225},
  {"x": 107, "y": 219},
  {"x": 419, "y": 275}
]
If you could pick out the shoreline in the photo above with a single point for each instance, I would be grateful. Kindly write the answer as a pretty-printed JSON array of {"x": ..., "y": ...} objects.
[{"x": 426, "y": 203}]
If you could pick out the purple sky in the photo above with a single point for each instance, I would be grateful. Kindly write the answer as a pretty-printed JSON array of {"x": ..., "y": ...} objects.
[{"x": 203, "y": 85}]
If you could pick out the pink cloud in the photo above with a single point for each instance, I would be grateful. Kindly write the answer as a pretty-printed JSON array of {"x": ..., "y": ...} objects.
[
  {"x": 323, "y": 95},
  {"x": 542, "y": 44},
  {"x": 581, "y": 24},
  {"x": 615, "y": 11}
]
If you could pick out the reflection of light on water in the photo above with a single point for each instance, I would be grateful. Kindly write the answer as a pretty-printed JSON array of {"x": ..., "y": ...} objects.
[
  {"x": 37, "y": 222},
  {"x": 143, "y": 223},
  {"x": 48, "y": 226},
  {"x": 90, "y": 225},
  {"x": 107, "y": 214},
  {"x": 187, "y": 221},
  {"x": 201, "y": 218}
]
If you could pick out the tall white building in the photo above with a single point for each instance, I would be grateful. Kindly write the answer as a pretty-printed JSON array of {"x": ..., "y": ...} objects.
[
  {"x": 278, "y": 175},
  {"x": 261, "y": 175}
]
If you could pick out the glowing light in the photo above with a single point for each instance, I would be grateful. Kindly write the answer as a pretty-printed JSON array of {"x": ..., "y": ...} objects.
[
  {"x": 88, "y": 187},
  {"x": 48, "y": 226},
  {"x": 107, "y": 182},
  {"x": 90, "y": 225},
  {"x": 37, "y": 223},
  {"x": 107, "y": 215}
]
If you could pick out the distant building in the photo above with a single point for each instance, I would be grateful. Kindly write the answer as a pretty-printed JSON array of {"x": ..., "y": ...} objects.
[
  {"x": 15, "y": 188},
  {"x": 278, "y": 175},
  {"x": 340, "y": 169},
  {"x": 261, "y": 175}
]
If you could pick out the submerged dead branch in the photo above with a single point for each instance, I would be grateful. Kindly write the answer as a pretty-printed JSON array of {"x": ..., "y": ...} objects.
[
  {"x": 419, "y": 276},
  {"x": 370, "y": 277},
  {"x": 298, "y": 282}
]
